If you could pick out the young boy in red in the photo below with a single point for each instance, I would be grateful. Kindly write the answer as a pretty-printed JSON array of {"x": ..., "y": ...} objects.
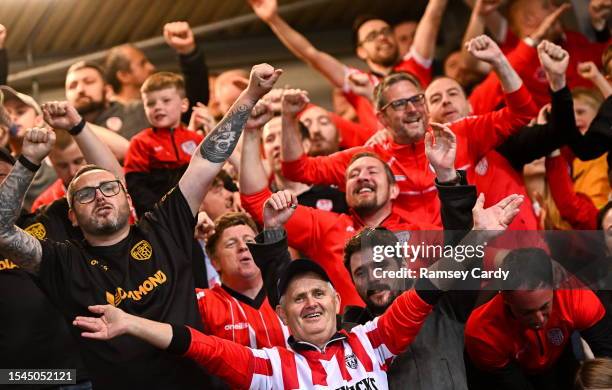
[{"x": 158, "y": 156}]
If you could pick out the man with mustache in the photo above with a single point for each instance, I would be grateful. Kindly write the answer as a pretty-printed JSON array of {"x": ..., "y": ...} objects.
[
  {"x": 375, "y": 44},
  {"x": 402, "y": 109},
  {"x": 145, "y": 268},
  {"x": 319, "y": 354}
]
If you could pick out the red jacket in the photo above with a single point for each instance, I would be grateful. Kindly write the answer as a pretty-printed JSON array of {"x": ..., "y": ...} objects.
[
  {"x": 351, "y": 134},
  {"x": 153, "y": 149},
  {"x": 232, "y": 318},
  {"x": 477, "y": 136},
  {"x": 155, "y": 162},
  {"x": 321, "y": 236},
  {"x": 574, "y": 207},
  {"x": 54, "y": 192},
  {"x": 364, "y": 108},
  {"x": 493, "y": 338}
]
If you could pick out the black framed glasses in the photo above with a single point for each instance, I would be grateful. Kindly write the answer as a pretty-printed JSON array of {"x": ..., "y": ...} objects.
[
  {"x": 401, "y": 104},
  {"x": 372, "y": 35},
  {"x": 88, "y": 194}
]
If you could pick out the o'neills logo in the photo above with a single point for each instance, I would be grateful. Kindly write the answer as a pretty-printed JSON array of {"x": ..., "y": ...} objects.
[
  {"x": 37, "y": 230},
  {"x": 142, "y": 251},
  {"x": 146, "y": 287},
  {"x": 7, "y": 264}
]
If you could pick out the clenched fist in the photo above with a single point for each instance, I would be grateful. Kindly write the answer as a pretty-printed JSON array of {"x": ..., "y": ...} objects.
[
  {"x": 260, "y": 115},
  {"x": 60, "y": 115},
  {"x": 178, "y": 35},
  {"x": 484, "y": 48},
  {"x": 37, "y": 144},
  {"x": 279, "y": 208},
  {"x": 294, "y": 101},
  {"x": 261, "y": 80}
]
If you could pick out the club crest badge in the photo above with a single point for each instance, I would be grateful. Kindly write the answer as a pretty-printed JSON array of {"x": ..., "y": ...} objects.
[{"x": 142, "y": 251}]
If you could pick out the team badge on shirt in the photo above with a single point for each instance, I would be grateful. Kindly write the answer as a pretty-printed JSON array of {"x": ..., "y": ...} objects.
[
  {"x": 325, "y": 204},
  {"x": 142, "y": 251},
  {"x": 482, "y": 167},
  {"x": 189, "y": 147},
  {"x": 351, "y": 361},
  {"x": 555, "y": 336},
  {"x": 37, "y": 230}
]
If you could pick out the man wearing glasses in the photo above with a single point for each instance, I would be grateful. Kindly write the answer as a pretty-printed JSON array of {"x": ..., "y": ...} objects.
[
  {"x": 401, "y": 108},
  {"x": 374, "y": 43},
  {"x": 145, "y": 268}
]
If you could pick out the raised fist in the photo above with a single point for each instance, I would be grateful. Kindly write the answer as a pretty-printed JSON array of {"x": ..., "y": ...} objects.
[
  {"x": 360, "y": 84},
  {"x": 279, "y": 208},
  {"x": 37, "y": 144},
  {"x": 553, "y": 58},
  {"x": 484, "y": 48},
  {"x": 262, "y": 79},
  {"x": 294, "y": 101},
  {"x": 264, "y": 9},
  {"x": 178, "y": 35},
  {"x": 260, "y": 115},
  {"x": 60, "y": 115},
  {"x": 588, "y": 70},
  {"x": 273, "y": 98}
]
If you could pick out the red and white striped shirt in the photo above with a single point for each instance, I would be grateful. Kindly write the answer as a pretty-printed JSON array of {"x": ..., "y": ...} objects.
[
  {"x": 254, "y": 324},
  {"x": 361, "y": 356}
]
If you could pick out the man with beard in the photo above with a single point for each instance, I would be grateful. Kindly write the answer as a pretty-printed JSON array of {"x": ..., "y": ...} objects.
[
  {"x": 402, "y": 109},
  {"x": 320, "y": 196},
  {"x": 145, "y": 268},
  {"x": 88, "y": 89},
  {"x": 329, "y": 132},
  {"x": 374, "y": 43},
  {"x": 370, "y": 191}
]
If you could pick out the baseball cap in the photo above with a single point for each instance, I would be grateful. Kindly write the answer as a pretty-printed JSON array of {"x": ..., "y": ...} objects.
[
  {"x": 296, "y": 268},
  {"x": 10, "y": 93}
]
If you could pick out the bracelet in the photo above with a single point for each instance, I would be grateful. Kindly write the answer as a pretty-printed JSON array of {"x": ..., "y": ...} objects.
[
  {"x": 78, "y": 128},
  {"x": 456, "y": 181},
  {"x": 28, "y": 164}
]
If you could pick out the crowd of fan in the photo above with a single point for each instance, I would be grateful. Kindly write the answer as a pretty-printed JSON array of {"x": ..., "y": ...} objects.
[{"x": 175, "y": 197}]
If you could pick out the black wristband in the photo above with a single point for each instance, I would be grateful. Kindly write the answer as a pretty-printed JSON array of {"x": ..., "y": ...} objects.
[
  {"x": 459, "y": 179},
  {"x": 28, "y": 164},
  {"x": 78, "y": 128}
]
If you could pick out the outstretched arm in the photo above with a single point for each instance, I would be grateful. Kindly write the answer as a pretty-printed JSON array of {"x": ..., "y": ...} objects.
[
  {"x": 328, "y": 66},
  {"x": 61, "y": 115},
  {"x": 232, "y": 362},
  {"x": 22, "y": 248},
  {"x": 115, "y": 322},
  {"x": 216, "y": 148},
  {"x": 426, "y": 34}
]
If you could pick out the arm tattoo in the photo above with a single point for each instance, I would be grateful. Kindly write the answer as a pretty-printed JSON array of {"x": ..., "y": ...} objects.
[
  {"x": 220, "y": 143},
  {"x": 23, "y": 249}
]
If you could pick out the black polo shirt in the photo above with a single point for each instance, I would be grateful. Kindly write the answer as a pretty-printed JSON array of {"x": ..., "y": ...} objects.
[{"x": 149, "y": 274}]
